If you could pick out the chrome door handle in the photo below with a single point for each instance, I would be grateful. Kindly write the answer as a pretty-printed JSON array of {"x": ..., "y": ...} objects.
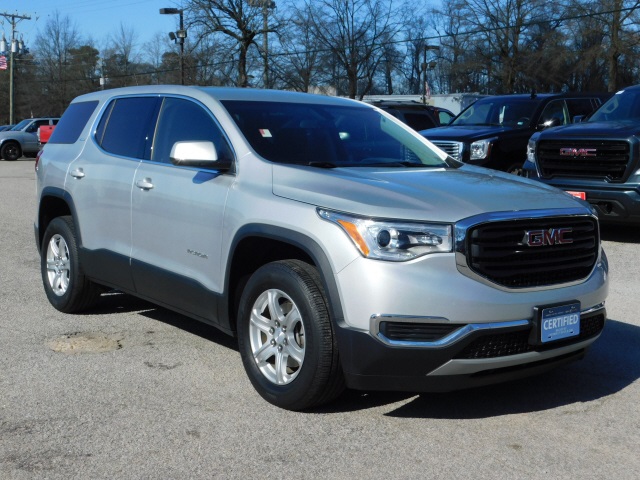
[
  {"x": 144, "y": 184},
  {"x": 77, "y": 173}
]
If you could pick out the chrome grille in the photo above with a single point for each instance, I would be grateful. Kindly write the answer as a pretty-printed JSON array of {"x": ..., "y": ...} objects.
[
  {"x": 453, "y": 149},
  {"x": 607, "y": 160},
  {"x": 497, "y": 251}
]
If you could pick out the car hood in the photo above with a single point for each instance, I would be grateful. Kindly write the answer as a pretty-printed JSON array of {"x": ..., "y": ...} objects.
[
  {"x": 623, "y": 128},
  {"x": 468, "y": 133},
  {"x": 430, "y": 194}
]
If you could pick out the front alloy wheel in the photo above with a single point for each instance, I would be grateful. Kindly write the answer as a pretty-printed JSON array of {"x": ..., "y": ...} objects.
[
  {"x": 286, "y": 337},
  {"x": 276, "y": 335}
]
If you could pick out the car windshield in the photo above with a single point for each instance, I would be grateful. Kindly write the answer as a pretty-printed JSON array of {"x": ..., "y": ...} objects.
[
  {"x": 329, "y": 136},
  {"x": 499, "y": 111},
  {"x": 21, "y": 125},
  {"x": 624, "y": 105}
]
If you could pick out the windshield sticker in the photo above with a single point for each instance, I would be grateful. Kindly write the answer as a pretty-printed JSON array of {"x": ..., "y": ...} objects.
[{"x": 265, "y": 133}]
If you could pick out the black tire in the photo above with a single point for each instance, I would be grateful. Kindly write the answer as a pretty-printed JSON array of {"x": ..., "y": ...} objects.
[
  {"x": 67, "y": 289},
  {"x": 298, "y": 383},
  {"x": 11, "y": 151}
]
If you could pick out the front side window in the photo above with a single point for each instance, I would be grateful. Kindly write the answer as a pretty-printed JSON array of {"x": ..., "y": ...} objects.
[
  {"x": 183, "y": 120},
  {"x": 554, "y": 114},
  {"x": 504, "y": 112},
  {"x": 329, "y": 135},
  {"x": 624, "y": 105},
  {"x": 126, "y": 126}
]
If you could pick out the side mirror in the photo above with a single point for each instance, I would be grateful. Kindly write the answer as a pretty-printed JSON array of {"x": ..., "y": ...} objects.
[
  {"x": 579, "y": 118},
  {"x": 198, "y": 154}
]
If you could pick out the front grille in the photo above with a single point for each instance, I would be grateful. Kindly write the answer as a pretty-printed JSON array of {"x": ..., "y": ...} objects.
[
  {"x": 416, "y": 332},
  {"x": 514, "y": 343},
  {"x": 453, "y": 149},
  {"x": 609, "y": 161},
  {"x": 497, "y": 251}
]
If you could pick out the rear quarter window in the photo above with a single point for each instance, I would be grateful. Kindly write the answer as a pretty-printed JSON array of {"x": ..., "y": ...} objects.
[{"x": 70, "y": 126}]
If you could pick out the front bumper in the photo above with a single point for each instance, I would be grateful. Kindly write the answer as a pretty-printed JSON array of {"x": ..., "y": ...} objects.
[
  {"x": 615, "y": 203},
  {"x": 480, "y": 356}
]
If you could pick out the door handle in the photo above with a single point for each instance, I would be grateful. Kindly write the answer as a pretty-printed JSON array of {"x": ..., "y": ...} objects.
[
  {"x": 144, "y": 184},
  {"x": 77, "y": 173}
]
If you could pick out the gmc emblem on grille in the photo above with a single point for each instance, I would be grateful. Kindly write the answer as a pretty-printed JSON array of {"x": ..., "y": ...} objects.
[
  {"x": 578, "y": 152},
  {"x": 553, "y": 236}
]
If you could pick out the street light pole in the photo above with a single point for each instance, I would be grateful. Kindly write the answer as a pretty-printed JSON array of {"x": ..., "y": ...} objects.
[
  {"x": 178, "y": 36},
  {"x": 266, "y": 5},
  {"x": 13, "y": 19},
  {"x": 426, "y": 66}
]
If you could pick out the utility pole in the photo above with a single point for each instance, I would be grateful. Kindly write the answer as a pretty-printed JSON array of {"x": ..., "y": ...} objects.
[{"x": 14, "y": 19}]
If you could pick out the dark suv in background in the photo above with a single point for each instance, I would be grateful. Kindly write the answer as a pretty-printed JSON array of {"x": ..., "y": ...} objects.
[
  {"x": 597, "y": 160},
  {"x": 418, "y": 116},
  {"x": 494, "y": 131}
]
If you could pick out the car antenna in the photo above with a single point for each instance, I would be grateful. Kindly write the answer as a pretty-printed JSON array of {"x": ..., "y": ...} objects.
[{"x": 533, "y": 93}]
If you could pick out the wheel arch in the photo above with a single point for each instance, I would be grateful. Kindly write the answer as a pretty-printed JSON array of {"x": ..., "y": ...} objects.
[
  {"x": 258, "y": 244},
  {"x": 54, "y": 202}
]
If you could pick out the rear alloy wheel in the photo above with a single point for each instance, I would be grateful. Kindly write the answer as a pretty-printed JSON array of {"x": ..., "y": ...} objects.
[
  {"x": 67, "y": 289},
  {"x": 10, "y": 151},
  {"x": 286, "y": 338}
]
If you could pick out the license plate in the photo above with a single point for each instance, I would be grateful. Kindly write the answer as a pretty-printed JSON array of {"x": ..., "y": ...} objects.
[
  {"x": 560, "y": 322},
  {"x": 580, "y": 195}
]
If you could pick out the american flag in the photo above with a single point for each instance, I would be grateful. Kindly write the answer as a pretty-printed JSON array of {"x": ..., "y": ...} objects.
[{"x": 3, "y": 62}]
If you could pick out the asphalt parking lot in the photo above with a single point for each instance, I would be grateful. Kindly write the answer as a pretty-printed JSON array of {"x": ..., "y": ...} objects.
[{"x": 132, "y": 391}]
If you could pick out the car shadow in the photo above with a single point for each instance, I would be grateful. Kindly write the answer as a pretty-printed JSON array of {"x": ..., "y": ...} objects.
[
  {"x": 117, "y": 302},
  {"x": 611, "y": 364},
  {"x": 619, "y": 233}
]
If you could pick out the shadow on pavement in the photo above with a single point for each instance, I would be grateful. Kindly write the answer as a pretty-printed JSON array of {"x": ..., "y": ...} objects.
[
  {"x": 612, "y": 363},
  {"x": 622, "y": 234}
]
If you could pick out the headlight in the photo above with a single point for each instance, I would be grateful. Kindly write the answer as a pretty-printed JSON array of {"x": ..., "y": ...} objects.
[
  {"x": 481, "y": 149},
  {"x": 392, "y": 240},
  {"x": 531, "y": 149}
]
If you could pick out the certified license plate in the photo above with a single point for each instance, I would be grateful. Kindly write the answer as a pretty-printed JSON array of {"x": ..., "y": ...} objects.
[
  {"x": 560, "y": 322},
  {"x": 580, "y": 195}
]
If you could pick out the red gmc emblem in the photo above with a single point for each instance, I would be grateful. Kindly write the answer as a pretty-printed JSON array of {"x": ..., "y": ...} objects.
[
  {"x": 578, "y": 152},
  {"x": 553, "y": 236}
]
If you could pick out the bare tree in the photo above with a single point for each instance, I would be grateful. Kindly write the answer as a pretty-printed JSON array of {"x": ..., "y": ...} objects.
[
  {"x": 239, "y": 20},
  {"x": 354, "y": 31}
]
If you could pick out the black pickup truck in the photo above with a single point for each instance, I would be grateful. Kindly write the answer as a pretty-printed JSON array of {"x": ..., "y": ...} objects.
[
  {"x": 597, "y": 160},
  {"x": 493, "y": 132}
]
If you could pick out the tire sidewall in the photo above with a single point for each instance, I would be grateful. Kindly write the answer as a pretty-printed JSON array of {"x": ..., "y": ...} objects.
[
  {"x": 60, "y": 226},
  {"x": 278, "y": 276},
  {"x": 10, "y": 146}
]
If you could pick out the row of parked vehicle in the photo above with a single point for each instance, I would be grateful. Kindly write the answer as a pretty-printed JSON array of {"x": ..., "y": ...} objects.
[{"x": 585, "y": 144}]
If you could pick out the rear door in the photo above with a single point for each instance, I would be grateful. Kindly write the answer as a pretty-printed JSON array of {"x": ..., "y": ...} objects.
[{"x": 100, "y": 183}]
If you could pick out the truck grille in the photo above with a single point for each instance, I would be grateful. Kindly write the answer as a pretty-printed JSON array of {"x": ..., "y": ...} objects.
[
  {"x": 453, "y": 149},
  {"x": 498, "y": 251},
  {"x": 608, "y": 160}
]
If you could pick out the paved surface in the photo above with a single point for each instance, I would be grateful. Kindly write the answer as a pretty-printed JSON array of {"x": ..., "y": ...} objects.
[{"x": 133, "y": 391}]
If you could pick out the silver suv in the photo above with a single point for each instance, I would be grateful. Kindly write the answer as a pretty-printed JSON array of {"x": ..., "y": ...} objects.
[{"x": 339, "y": 246}]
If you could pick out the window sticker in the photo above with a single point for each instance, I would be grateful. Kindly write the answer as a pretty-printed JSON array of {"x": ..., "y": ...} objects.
[{"x": 265, "y": 133}]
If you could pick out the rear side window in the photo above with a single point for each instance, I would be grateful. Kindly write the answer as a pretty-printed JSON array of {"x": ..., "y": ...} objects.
[
  {"x": 70, "y": 126},
  {"x": 126, "y": 126}
]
